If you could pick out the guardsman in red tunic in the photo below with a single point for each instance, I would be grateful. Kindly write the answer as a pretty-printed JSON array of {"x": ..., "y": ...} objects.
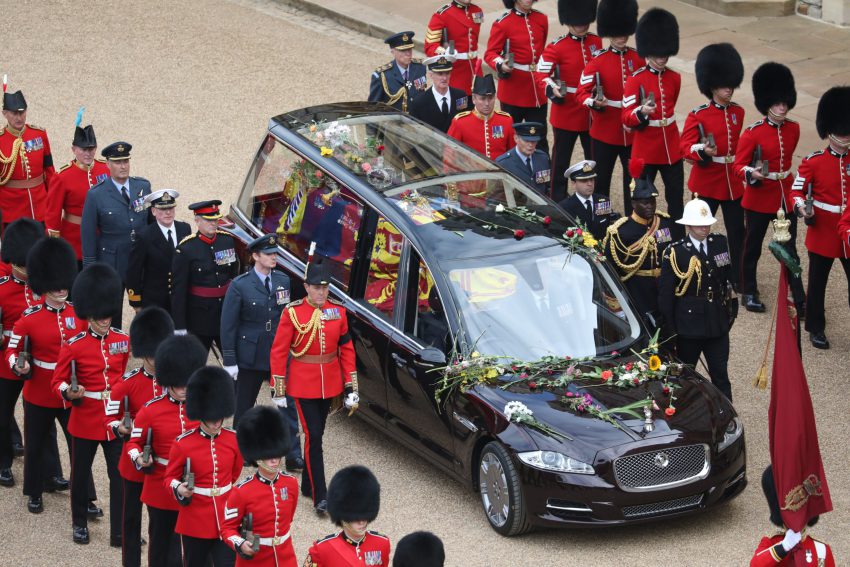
[
  {"x": 456, "y": 24},
  {"x": 161, "y": 421},
  {"x": 94, "y": 361},
  {"x": 564, "y": 60},
  {"x": 649, "y": 105},
  {"x": 313, "y": 361},
  {"x": 709, "y": 141},
  {"x": 26, "y": 164},
  {"x": 775, "y": 550},
  {"x": 609, "y": 138},
  {"x": 70, "y": 186},
  {"x": 422, "y": 549},
  {"x": 211, "y": 455},
  {"x": 51, "y": 268},
  {"x": 770, "y": 142},
  {"x": 354, "y": 499},
  {"x": 261, "y": 508},
  {"x": 516, "y": 43},
  {"x": 488, "y": 131},
  {"x": 824, "y": 177},
  {"x": 149, "y": 328},
  {"x": 15, "y": 297}
]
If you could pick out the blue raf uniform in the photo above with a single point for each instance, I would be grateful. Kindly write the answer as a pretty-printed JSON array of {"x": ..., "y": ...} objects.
[
  {"x": 393, "y": 85},
  {"x": 536, "y": 169}
]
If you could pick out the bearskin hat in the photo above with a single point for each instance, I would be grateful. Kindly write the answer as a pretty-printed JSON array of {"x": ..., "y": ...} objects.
[
  {"x": 262, "y": 434},
  {"x": 353, "y": 494},
  {"x": 97, "y": 292},
  {"x": 149, "y": 328},
  {"x": 51, "y": 265},
  {"x": 657, "y": 34},
  {"x": 576, "y": 12},
  {"x": 209, "y": 396},
  {"x": 773, "y": 83},
  {"x": 833, "y": 115},
  {"x": 419, "y": 549},
  {"x": 509, "y": 4},
  {"x": 718, "y": 65},
  {"x": 18, "y": 238},
  {"x": 177, "y": 357},
  {"x": 616, "y": 18},
  {"x": 768, "y": 486}
]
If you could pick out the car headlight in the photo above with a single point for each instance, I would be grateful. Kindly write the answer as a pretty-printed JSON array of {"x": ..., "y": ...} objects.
[
  {"x": 552, "y": 461},
  {"x": 734, "y": 430}
]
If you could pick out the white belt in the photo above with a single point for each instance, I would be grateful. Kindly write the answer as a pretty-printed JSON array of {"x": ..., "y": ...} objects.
[
  {"x": 615, "y": 103},
  {"x": 463, "y": 56},
  {"x": 570, "y": 89},
  {"x": 777, "y": 175},
  {"x": 42, "y": 364},
  {"x": 104, "y": 395},
  {"x": 7, "y": 333},
  {"x": 663, "y": 122},
  {"x": 213, "y": 491},
  {"x": 160, "y": 460},
  {"x": 523, "y": 67},
  {"x": 723, "y": 159},
  {"x": 273, "y": 541},
  {"x": 827, "y": 207}
]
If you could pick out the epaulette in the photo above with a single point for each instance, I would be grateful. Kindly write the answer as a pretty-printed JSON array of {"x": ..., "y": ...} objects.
[
  {"x": 681, "y": 241},
  {"x": 219, "y": 231},
  {"x": 64, "y": 167},
  {"x": 813, "y": 154},
  {"x": 378, "y": 534},
  {"x": 503, "y": 113},
  {"x": 130, "y": 373},
  {"x": 139, "y": 178},
  {"x": 503, "y": 157},
  {"x": 326, "y": 538},
  {"x": 596, "y": 52},
  {"x": 557, "y": 39},
  {"x": 335, "y": 301},
  {"x": 754, "y": 124},
  {"x": 191, "y": 431},
  {"x": 503, "y": 16},
  {"x": 186, "y": 239},
  {"x": 296, "y": 302},
  {"x": 639, "y": 71},
  {"x": 77, "y": 337},
  {"x": 385, "y": 67},
  {"x": 700, "y": 107},
  {"x": 662, "y": 214},
  {"x": 444, "y": 8},
  {"x": 31, "y": 310},
  {"x": 617, "y": 224},
  {"x": 4, "y": 279},
  {"x": 462, "y": 114},
  {"x": 416, "y": 60},
  {"x": 34, "y": 127},
  {"x": 244, "y": 481},
  {"x": 99, "y": 160},
  {"x": 156, "y": 399},
  {"x": 118, "y": 331}
]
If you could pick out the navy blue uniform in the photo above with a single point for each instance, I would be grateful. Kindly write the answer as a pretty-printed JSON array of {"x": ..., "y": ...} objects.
[
  {"x": 149, "y": 278},
  {"x": 538, "y": 176},
  {"x": 598, "y": 219},
  {"x": 426, "y": 109},
  {"x": 388, "y": 85}
]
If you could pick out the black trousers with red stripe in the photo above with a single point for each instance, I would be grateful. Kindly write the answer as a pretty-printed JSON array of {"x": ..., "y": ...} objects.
[
  {"x": 163, "y": 544},
  {"x": 131, "y": 540},
  {"x": 82, "y": 458},
  {"x": 313, "y": 414},
  {"x": 41, "y": 455},
  {"x": 606, "y": 156}
]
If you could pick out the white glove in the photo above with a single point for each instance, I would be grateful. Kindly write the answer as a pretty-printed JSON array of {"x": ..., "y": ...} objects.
[
  {"x": 280, "y": 402},
  {"x": 352, "y": 399},
  {"x": 179, "y": 332},
  {"x": 232, "y": 370},
  {"x": 791, "y": 539}
]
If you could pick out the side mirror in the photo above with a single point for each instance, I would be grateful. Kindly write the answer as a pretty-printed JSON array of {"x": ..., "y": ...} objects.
[{"x": 432, "y": 357}]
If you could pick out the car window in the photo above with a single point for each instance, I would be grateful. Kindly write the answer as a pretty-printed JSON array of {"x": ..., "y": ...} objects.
[
  {"x": 430, "y": 325},
  {"x": 289, "y": 196},
  {"x": 382, "y": 278}
]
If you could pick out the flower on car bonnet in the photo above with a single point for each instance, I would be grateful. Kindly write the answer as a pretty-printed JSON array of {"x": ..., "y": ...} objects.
[{"x": 516, "y": 409}]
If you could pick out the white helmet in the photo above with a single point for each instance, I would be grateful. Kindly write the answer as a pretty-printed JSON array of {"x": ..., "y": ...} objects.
[{"x": 697, "y": 213}]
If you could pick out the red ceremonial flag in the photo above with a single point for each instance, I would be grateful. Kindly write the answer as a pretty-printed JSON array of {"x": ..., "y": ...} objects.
[{"x": 797, "y": 466}]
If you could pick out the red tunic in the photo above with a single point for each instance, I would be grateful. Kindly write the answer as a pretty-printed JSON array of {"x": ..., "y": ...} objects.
[
  {"x": 829, "y": 174},
  {"x": 15, "y": 297},
  {"x": 570, "y": 54},
  {"x": 715, "y": 176},
  {"x": 844, "y": 227},
  {"x": 527, "y": 33},
  {"x": 491, "y": 136},
  {"x": 614, "y": 68},
  {"x": 65, "y": 200},
  {"x": 167, "y": 417},
  {"x": 47, "y": 328},
  {"x": 216, "y": 462},
  {"x": 314, "y": 379},
  {"x": 770, "y": 553},
  {"x": 658, "y": 141},
  {"x": 272, "y": 504},
  {"x": 777, "y": 142},
  {"x": 340, "y": 551},
  {"x": 25, "y": 192},
  {"x": 140, "y": 387},
  {"x": 463, "y": 24},
  {"x": 101, "y": 361}
]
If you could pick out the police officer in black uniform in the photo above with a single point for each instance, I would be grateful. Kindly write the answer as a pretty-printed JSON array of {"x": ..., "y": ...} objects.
[
  {"x": 526, "y": 161},
  {"x": 249, "y": 318},
  {"x": 149, "y": 277},
  {"x": 695, "y": 294},
  {"x": 204, "y": 265},
  {"x": 592, "y": 210}
]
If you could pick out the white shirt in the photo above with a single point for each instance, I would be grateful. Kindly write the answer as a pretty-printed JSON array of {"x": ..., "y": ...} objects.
[
  {"x": 165, "y": 230},
  {"x": 439, "y": 98},
  {"x": 584, "y": 200},
  {"x": 697, "y": 243}
]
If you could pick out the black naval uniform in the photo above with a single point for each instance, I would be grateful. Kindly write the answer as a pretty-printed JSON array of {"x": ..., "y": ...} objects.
[
  {"x": 695, "y": 307},
  {"x": 149, "y": 276},
  {"x": 595, "y": 212},
  {"x": 425, "y": 108},
  {"x": 202, "y": 269}
]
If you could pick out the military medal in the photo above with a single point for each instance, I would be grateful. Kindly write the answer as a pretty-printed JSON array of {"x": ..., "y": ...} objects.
[
  {"x": 663, "y": 235},
  {"x": 120, "y": 347},
  {"x": 498, "y": 132},
  {"x": 542, "y": 176},
  {"x": 330, "y": 313},
  {"x": 734, "y": 119},
  {"x": 722, "y": 259},
  {"x": 139, "y": 205},
  {"x": 373, "y": 558},
  {"x": 224, "y": 257},
  {"x": 478, "y": 18},
  {"x": 602, "y": 208},
  {"x": 70, "y": 323},
  {"x": 282, "y": 296},
  {"x": 420, "y": 83},
  {"x": 461, "y": 103},
  {"x": 631, "y": 67},
  {"x": 101, "y": 177}
]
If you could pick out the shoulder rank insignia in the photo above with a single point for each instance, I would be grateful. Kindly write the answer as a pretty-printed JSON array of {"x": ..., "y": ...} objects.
[
  {"x": 462, "y": 114},
  {"x": 77, "y": 337},
  {"x": 503, "y": 113},
  {"x": 444, "y": 8},
  {"x": 64, "y": 167},
  {"x": 33, "y": 309},
  {"x": 4, "y": 279},
  {"x": 503, "y": 16}
]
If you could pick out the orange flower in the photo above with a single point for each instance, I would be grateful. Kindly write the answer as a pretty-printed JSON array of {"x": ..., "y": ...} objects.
[
  {"x": 607, "y": 375},
  {"x": 654, "y": 363},
  {"x": 670, "y": 412}
]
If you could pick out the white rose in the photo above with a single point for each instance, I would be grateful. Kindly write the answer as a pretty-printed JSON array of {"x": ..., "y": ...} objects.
[{"x": 500, "y": 208}]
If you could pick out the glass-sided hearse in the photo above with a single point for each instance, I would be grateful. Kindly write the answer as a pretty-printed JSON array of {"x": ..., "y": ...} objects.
[{"x": 491, "y": 337}]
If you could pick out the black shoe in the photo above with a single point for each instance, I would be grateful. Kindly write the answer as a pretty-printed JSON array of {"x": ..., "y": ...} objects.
[
  {"x": 294, "y": 465},
  {"x": 322, "y": 507},
  {"x": 35, "y": 505},
  {"x": 56, "y": 484},
  {"x": 753, "y": 303},
  {"x": 93, "y": 512},
  {"x": 81, "y": 535},
  {"x": 6, "y": 477},
  {"x": 115, "y": 541},
  {"x": 819, "y": 340},
  {"x": 18, "y": 449}
]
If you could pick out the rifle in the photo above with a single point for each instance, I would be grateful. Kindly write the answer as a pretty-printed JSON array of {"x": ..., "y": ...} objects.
[
  {"x": 758, "y": 164},
  {"x": 809, "y": 206},
  {"x": 646, "y": 99},
  {"x": 708, "y": 140},
  {"x": 558, "y": 88},
  {"x": 23, "y": 358},
  {"x": 508, "y": 62},
  {"x": 248, "y": 532},
  {"x": 146, "y": 451},
  {"x": 448, "y": 44},
  {"x": 189, "y": 479},
  {"x": 598, "y": 92},
  {"x": 127, "y": 422},
  {"x": 75, "y": 385}
]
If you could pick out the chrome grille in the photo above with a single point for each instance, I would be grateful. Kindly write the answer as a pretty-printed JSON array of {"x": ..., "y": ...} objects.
[
  {"x": 662, "y": 507},
  {"x": 662, "y": 468}
]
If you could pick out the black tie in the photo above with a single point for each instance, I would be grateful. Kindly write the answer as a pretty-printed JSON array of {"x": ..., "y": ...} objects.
[
  {"x": 170, "y": 239},
  {"x": 268, "y": 285},
  {"x": 404, "y": 75},
  {"x": 702, "y": 249},
  {"x": 528, "y": 166},
  {"x": 125, "y": 193},
  {"x": 589, "y": 208},
  {"x": 445, "y": 107}
]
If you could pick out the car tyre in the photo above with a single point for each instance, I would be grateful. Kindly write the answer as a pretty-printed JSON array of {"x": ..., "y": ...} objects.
[{"x": 501, "y": 491}]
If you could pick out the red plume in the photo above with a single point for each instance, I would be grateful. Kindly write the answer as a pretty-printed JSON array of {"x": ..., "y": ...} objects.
[
  {"x": 477, "y": 71},
  {"x": 636, "y": 167}
]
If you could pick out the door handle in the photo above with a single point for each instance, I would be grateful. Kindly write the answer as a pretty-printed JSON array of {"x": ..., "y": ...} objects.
[{"x": 399, "y": 360}]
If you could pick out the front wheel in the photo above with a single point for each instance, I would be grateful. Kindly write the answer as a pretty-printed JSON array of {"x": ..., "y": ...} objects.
[{"x": 501, "y": 492}]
